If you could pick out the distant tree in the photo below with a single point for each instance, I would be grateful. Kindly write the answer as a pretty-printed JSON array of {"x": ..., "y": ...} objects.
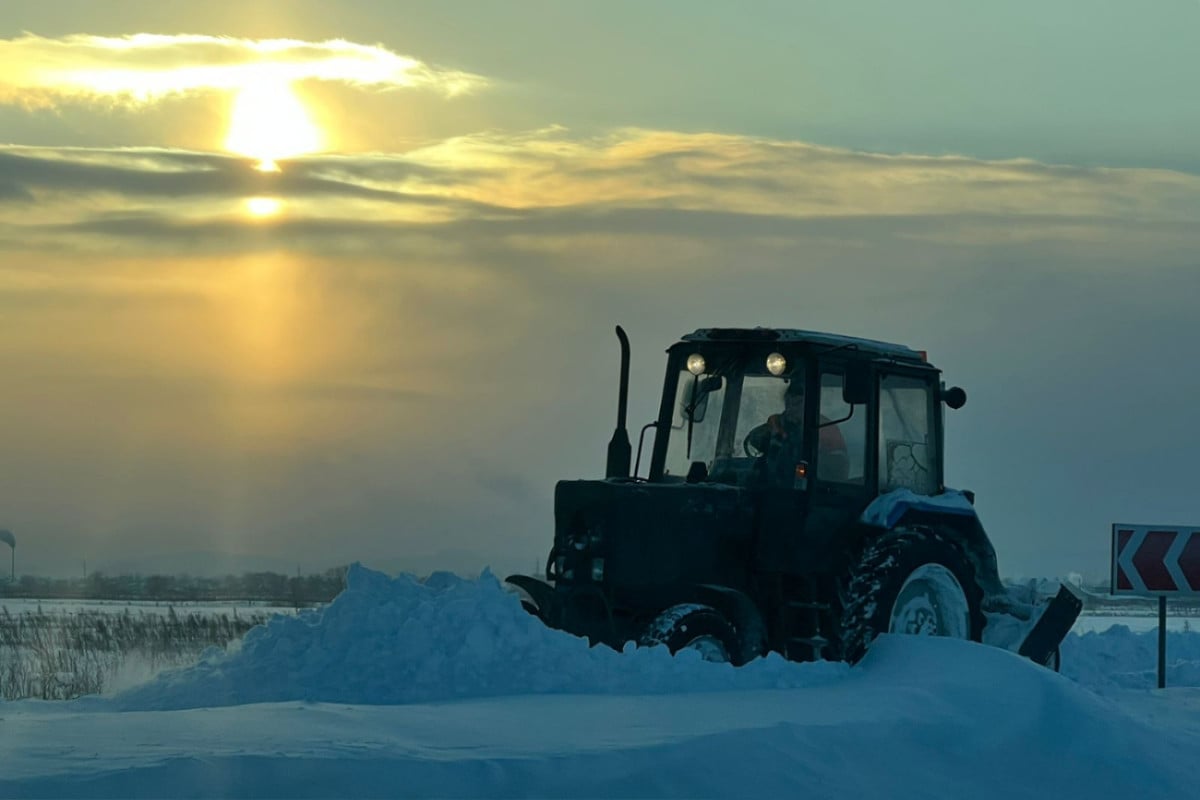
[{"x": 157, "y": 587}]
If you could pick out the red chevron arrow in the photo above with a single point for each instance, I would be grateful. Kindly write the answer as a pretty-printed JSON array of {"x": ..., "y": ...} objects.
[{"x": 1150, "y": 564}]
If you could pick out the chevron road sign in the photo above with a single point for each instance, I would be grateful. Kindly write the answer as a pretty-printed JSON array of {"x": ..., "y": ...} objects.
[{"x": 1155, "y": 560}]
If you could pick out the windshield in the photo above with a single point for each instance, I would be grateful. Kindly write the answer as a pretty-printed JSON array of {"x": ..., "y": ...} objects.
[
  {"x": 762, "y": 396},
  {"x": 720, "y": 433}
]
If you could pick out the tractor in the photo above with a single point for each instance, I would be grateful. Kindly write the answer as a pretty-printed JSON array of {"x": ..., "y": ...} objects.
[{"x": 794, "y": 501}]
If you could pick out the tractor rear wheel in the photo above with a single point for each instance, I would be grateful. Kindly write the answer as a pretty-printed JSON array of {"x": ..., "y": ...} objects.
[
  {"x": 913, "y": 581},
  {"x": 690, "y": 626}
]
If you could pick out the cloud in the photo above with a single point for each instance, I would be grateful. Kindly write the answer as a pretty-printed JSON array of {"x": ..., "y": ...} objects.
[
  {"x": 152, "y": 173},
  {"x": 143, "y": 67},
  {"x": 788, "y": 178},
  {"x": 543, "y": 186},
  {"x": 9, "y": 191}
]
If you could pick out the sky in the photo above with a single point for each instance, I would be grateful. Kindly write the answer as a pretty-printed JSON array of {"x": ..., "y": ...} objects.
[{"x": 321, "y": 287}]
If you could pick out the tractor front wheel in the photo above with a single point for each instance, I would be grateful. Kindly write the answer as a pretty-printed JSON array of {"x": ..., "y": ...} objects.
[{"x": 691, "y": 626}]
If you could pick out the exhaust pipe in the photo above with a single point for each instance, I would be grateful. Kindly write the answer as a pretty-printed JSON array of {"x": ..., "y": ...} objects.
[{"x": 619, "y": 450}]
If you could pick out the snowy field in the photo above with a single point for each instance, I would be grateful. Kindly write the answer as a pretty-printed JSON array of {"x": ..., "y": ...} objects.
[
  {"x": 1139, "y": 623},
  {"x": 448, "y": 689}
]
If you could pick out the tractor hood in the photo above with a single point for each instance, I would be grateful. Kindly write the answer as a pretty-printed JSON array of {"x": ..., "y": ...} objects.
[{"x": 646, "y": 534}]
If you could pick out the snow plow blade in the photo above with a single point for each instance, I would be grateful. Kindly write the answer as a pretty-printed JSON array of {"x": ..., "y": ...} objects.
[
  {"x": 1041, "y": 645},
  {"x": 538, "y": 596}
]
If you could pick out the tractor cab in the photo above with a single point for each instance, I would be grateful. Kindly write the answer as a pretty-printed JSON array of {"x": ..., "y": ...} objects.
[{"x": 789, "y": 409}]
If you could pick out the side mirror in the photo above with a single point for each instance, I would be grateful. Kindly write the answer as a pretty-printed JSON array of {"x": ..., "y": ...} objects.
[
  {"x": 954, "y": 397},
  {"x": 856, "y": 390},
  {"x": 695, "y": 402}
]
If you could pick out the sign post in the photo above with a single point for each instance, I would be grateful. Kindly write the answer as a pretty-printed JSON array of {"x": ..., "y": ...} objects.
[
  {"x": 1156, "y": 561},
  {"x": 1162, "y": 641}
]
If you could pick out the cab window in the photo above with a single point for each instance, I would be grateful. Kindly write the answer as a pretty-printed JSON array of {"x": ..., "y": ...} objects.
[{"x": 906, "y": 446}]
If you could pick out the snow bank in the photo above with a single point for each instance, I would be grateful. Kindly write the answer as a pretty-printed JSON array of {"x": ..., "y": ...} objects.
[
  {"x": 1118, "y": 658},
  {"x": 399, "y": 640},
  {"x": 936, "y": 719}
]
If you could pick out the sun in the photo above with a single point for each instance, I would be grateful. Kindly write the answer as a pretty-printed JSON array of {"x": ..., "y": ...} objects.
[{"x": 268, "y": 122}]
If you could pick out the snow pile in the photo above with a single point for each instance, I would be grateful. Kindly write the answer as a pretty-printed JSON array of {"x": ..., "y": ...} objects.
[
  {"x": 1118, "y": 658},
  {"x": 398, "y": 640},
  {"x": 887, "y": 509}
]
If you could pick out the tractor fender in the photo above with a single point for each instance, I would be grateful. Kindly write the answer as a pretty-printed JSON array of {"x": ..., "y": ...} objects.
[
  {"x": 740, "y": 610},
  {"x": 952, "y": 512}
]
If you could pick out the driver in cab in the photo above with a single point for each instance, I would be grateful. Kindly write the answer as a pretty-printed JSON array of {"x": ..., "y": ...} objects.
[{"x": 781, "y": 441}]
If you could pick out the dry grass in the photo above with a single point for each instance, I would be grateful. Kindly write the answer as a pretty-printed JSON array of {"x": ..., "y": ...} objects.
[{"x": 59, "y": 656}]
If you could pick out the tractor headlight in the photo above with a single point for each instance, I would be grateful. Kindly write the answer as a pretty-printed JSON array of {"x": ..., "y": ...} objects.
[
  {"x": 776, "y": 363},
  {"x": 695, "y": 364},
  {"x": 597, "y": 569}
]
